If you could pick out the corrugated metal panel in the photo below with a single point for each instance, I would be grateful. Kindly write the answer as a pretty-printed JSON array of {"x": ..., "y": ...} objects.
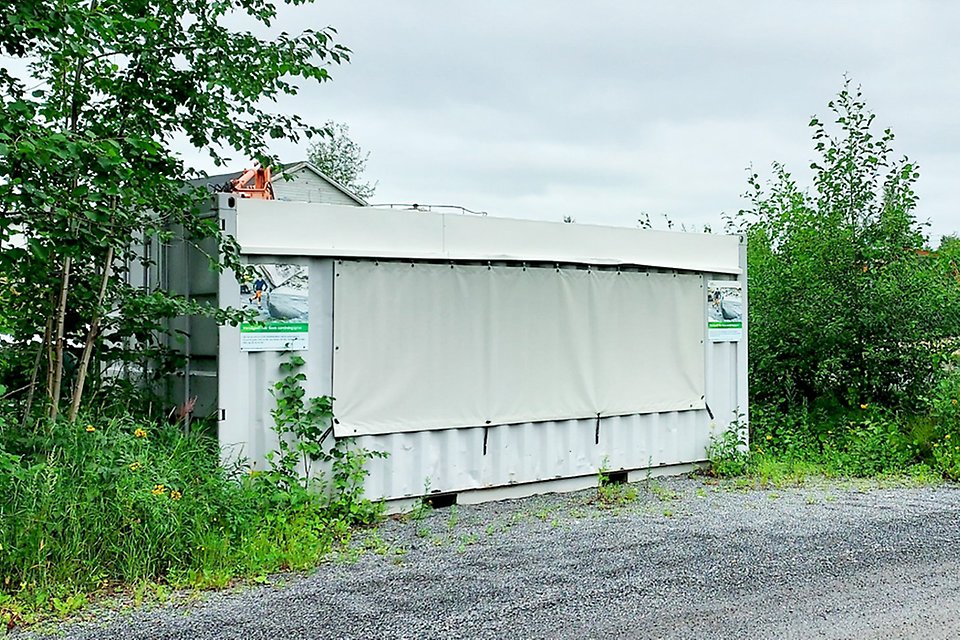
[
  {"x": 454, "y": 460},
  {"x": 247, "y": 378},
  {"x": 180, "y": 268}
]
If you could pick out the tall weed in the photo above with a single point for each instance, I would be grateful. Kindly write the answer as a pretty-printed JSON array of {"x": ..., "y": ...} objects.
[{"x": 96, "y": 503}]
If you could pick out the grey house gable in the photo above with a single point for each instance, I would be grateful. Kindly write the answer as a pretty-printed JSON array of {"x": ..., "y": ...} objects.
[
  {"x": 304, "y": 182},
  {"x": 296, "y": 182}
]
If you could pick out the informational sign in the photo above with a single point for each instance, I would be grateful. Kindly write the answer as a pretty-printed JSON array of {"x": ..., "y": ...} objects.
[
  {"x": 279, "y": 294},
  {"x": 724, "y": 311}
]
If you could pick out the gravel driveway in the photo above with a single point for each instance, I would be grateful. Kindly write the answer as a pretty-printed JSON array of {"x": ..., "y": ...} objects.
[{"x": 683, "y": 559}]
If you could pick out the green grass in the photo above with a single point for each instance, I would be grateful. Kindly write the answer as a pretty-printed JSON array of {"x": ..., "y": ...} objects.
[
  {"x": 662, "y": 493},
  {"x": 614, "y": 495},
  {"x": 883, "y": 445},
  {"x": 773, "y": 471},
  {"x": 85, "y": 508}
]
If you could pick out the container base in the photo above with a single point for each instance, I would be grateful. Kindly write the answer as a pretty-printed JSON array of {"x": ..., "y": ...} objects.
[{"x": 558, "y": 485}]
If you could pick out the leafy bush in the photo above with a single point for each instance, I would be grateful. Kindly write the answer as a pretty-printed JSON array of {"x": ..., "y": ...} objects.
[
  {"x": 303, "y": 426},
  {"x": 870, "y": 446},
  {"x": 858, "y": 443},
  {"x": 728, "y": 453},
  {"x": 945, "y": 404},
  {"x": 787, "y": 434},
  {"x": 945, "y": 420},
  {"x": 846, "y": 307},
  {"x": 853, "y": 319},
  {"x": 862, "y": 442},
  {"x": 946, "y": 455}
]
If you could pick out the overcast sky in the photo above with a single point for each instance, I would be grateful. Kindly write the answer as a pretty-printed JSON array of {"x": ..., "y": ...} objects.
[{"x": 602, "y": 110}]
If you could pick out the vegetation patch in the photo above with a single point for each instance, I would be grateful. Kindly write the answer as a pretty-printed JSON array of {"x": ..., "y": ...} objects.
[
  {"x": 890, "y": 446},
  {"x": 854, "y": 323},
  {"x": 93, "y": 505}
]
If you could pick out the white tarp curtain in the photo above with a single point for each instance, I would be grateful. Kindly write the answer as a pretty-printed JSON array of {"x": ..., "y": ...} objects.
[{"x": 427, "y": 346}]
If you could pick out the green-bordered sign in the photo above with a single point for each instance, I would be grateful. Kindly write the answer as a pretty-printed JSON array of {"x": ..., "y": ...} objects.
[
  {"x": 279, "y": 296},
  {"x": 724, "y": 311}
]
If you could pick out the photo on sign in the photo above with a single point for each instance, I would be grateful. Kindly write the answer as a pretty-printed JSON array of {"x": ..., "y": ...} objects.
[
  {"x": 278, "y": 294},
  {"x": 725, "y": 304}
]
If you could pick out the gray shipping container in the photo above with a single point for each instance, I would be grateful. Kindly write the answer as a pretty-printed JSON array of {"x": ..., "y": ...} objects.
[{"x": 506, "y": 357}]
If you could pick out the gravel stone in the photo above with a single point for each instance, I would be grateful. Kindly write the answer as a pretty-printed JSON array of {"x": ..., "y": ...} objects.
[{"x": 684, "y": 559}]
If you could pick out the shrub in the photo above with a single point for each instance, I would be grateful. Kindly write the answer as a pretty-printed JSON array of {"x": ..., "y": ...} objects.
[
  {"x": 303, "y": 426},
  {"x": 945, "y": 420},
  {"x": 728, "y": 453},
  {"x": 872, "y": 445},
  {"x": 787, "y": 434},
  {"x": 859, "y": 442},
  {"x": 845, "y": 306}
]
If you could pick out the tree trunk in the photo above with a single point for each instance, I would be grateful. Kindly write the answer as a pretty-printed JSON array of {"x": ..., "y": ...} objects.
[
  {"x": 91, "y": 336},
  {"x": 44, "y": 346},
  {"x": 58, "y": 359},
  {"x": 73, "y": 125}
]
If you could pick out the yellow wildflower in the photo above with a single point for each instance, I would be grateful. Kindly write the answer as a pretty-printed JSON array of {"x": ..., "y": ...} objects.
[
  {"x": 140, "y": 433},
  {"x": 135, "y": 466},
  {"x": 947, "y": 436},
  {"x": 175, "y": 495},
  {"x": 159, "y": 490},
  {"x": 769, "y": 437},
  {"x": 864, "y": 406},
  {"x": 90, "y": 428}
]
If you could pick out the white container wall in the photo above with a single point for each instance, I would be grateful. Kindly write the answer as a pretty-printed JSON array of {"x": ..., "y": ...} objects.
[{"x": 477, "y": 461}]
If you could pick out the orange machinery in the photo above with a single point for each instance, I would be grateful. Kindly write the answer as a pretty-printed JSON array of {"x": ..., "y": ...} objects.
[{"x": 261, "y": 187}]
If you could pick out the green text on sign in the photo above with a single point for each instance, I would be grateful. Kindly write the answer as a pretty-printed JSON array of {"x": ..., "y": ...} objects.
[{"x": 293, "y": 327}]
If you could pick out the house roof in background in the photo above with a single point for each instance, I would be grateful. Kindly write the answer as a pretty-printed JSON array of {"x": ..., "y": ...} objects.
[{"x": 215, "y": 183}]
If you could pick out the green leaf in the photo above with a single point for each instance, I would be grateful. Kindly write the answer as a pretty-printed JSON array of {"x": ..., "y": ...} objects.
[{"x": 38, "y": 250}]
